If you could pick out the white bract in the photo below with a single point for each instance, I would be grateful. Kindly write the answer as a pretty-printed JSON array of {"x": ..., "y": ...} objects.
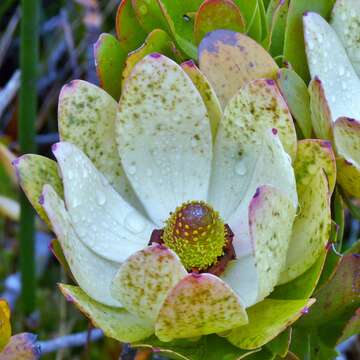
[{"x": 333, "y": 54}]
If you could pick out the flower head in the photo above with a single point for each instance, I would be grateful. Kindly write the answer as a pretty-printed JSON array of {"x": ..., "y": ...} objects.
[
  {"x": 197, "y": 234},
  {"x": 221, "y": 179}
]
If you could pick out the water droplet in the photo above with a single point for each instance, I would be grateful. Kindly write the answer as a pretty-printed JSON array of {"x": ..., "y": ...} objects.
[
  {"x": 75, "y": 202},
  {"x": 134, "y": 223},
  {"x": 70, "y": 174},
  {"x": 100, "y": 197},
  {"x": 240, "y": 168},
  {"x": 132, "y": 170}
]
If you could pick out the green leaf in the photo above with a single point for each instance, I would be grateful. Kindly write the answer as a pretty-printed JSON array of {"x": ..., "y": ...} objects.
[
  {"x": 351, "y": 328},
  {"x": 219, "y": 14},
  {"x": 308, "y": 346},
  {"x": 294, "y": 48},
  {"x": 210, "y": 347},
  {"x": 297, "y": 97},
  {"x": 128, "y": 30},
  {"x": 267, "y": 319},
  {"x": 304, "y": 285},
  {"x": 179, "y": 15},
  {"x": 338, "y": 211},
  {"x": 250, "y": 10},
  {"x": 336, "y": 302},
  {"x": 354, "y": 209},
  {"x": 150, "y": 15},
  {"x": 280, "y": 345},
  {"x": 110, "y": 59},
  {"x": 331, "y": 263},
  {"x": 157, "y": 41},
  {"x": 263, "y": 19},
  {"x": 264, "y": 354},
  {"x": 277, "y": 14}
]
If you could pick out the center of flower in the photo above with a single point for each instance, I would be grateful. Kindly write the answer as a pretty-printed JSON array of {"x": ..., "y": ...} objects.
[{"x": 197, "y": 234}]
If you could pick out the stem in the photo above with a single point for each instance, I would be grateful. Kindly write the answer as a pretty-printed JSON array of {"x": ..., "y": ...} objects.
[
  {"x": 67, "y": 341},
  {"x": 339, "y": 218},
  {"x": 29, "y": 46}
]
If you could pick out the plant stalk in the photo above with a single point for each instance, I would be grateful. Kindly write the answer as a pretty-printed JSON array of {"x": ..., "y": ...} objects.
[{"x": 29, "y": 52}]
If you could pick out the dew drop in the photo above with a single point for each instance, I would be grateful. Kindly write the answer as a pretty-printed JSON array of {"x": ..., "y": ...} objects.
[
  {"x": 100, "y": 198},
  {"x": 240, "y": 168},
  {"x": 132, "y": 170},
  {"x": 341, "y": 70},
  {"x": 134, "y": 223},
  {"x": 75, "y": 202}
]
